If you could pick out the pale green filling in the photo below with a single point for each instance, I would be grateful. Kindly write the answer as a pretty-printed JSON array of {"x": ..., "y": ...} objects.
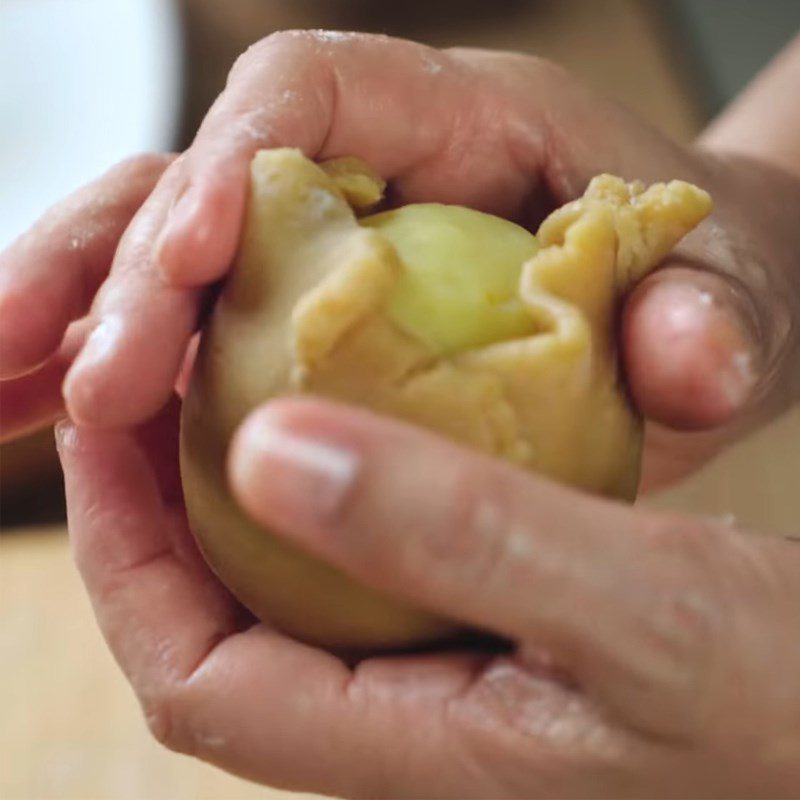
[{"x": 460, "y": 286}]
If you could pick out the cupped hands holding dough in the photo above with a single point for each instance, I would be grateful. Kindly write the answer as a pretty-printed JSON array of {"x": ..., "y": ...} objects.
[{"x": 650, "y": 654}]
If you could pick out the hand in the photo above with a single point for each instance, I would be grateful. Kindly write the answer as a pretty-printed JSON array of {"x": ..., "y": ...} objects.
[
  {"x": 48, "y": 278},
  {"x": 709, "y": 342},
  {"x": 651, "y": 655}
]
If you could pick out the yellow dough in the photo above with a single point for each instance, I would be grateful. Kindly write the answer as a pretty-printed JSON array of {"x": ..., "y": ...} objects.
[{"x": 519, "y": 362}]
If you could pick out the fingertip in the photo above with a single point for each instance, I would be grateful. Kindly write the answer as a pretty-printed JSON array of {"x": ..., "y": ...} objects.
[
  {"x": 289, "y": 468},
  {"x": 126, "y": 372},
  {"x": 66, "y": 433},
  {"x": 97, "y": 398},
  {"x": 82, "y": 388},
  {"x": 245, "y": 453},
  {"x": 79, "y": 397},
  {"x": 304, "y": 414},
  {"x": 199, "y": 238},
  {"x": 690, "y": 363}
]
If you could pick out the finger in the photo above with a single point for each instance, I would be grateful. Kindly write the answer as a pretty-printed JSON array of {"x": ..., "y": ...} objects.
[
  {"x": 49, "y": 275},
  {"x": 159, "y": 606},
  {"x": 691, "y": 348},
  {"x": 142, "y": 327},
  {"x": 34, "y": 400},
  {"x": 253, "y": 702},
  {"x": 557, "y": 736},
  {"x": 427, "y": 120},
  {"x": 620, "y": 596}
]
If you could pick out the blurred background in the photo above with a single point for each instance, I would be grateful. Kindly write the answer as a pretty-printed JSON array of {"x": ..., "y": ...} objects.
[{"x": 84, "y": 83}]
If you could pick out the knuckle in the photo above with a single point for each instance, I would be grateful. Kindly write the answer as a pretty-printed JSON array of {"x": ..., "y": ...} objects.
[
  {"x": 266, "y": 48},
  {"x": 688, "y": 613},
  {"x": 472, "y": 532},
  {"x": 292, "y": 38},
  {"x": 276, "y": 40},
  {"x": 306, "y": 41},
  {"x": 569, "y": 730},
  {"x": 460, "y": 531},
  {"x": 675, "y": 536},
  {"x": 711, "y": 553},
  {"x": 254, "y": 53},
  {"x": 337, "y": 39},
  {"x": 716, "y": 587}
]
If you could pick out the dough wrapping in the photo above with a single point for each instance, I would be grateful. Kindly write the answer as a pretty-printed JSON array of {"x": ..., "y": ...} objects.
[{"x": 308, "y": 307}]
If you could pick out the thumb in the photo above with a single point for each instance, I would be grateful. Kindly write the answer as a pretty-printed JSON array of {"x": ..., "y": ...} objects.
[{"x": 691, "y": 348}]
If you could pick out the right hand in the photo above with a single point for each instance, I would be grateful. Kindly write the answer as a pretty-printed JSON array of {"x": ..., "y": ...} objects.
[{"x": 710, "y": 341}]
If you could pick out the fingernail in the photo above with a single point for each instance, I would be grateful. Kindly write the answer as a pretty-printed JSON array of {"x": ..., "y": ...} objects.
[
  {"x": 101, "y": 342},
  {"x": 737, "y": 378},
  {"x": 734, "y": 338},
  {"x": 80, "y": 390},
  {"x": 66, "y": 434},
  {"x": 181, "y": 215},
  {"x": 722, "y": 316},
  {"x": 289, "y": 476}
]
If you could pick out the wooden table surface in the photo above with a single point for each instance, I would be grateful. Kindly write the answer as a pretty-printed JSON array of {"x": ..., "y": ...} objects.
[{"x": 71, "y": 728}]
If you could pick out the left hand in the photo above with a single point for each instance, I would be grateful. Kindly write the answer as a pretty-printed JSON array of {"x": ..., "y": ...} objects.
[{"x": 653, "y": 655}]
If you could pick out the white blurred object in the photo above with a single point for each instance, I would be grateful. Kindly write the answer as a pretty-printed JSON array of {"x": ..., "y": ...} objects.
[{"x": 83, "y": 83}]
